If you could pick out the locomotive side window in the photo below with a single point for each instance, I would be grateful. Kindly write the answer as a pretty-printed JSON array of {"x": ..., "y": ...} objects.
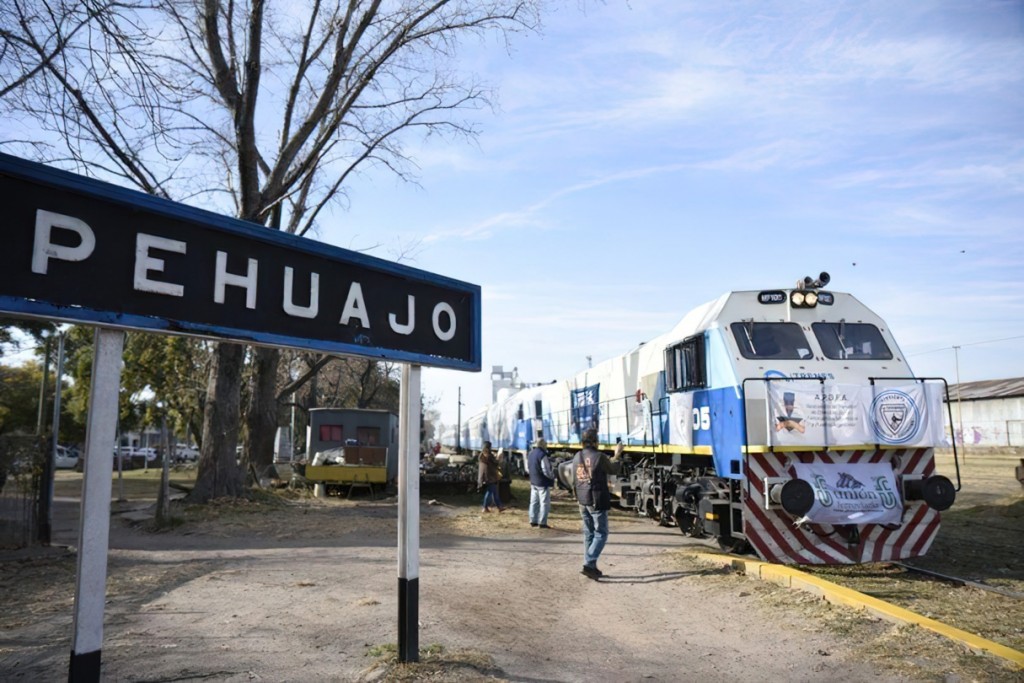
[
  {"x": 684, "y": 365},
  {"x": 779, "y": 341},
  {"x": 851, "y": 341}
]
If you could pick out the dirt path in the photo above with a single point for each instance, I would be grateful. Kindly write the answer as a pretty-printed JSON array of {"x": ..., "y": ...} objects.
[{"x": 304, "y": 594}]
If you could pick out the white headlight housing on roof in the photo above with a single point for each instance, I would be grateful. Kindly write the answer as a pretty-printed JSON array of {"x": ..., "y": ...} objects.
[{"x": 800, "y": 298}]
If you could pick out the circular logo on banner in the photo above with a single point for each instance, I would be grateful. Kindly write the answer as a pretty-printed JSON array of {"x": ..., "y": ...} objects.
[{"x": 895, "y": 417}]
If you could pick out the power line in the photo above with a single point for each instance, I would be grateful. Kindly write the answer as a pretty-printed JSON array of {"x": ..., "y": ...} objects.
[{"x": 950, "y": 348}]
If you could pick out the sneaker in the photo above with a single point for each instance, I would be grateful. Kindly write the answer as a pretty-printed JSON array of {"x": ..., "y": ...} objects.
[
  {"x": 486, "y": 509},
  {"x": 533, "y": 523},
  {"x": 592, "y": 572},
  {"x": 544, "y": 526}
]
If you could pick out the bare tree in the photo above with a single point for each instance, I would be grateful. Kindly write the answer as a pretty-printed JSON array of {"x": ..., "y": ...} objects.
[{"x": 263, "y": 109}]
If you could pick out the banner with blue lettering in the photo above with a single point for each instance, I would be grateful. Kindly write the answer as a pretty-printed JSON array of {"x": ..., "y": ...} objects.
[
  {"x": 854, "y": 493},
  {"x": 585, "y": 409},
  {"x": 680, "y": 411}
]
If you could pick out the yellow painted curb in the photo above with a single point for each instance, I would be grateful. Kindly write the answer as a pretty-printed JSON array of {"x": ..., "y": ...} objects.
[{"x": 794, "y": 578}]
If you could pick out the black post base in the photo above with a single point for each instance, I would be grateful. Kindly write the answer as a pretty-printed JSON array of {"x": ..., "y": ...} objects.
[
  {"x": 85, "y": 668},
  {"x": 408, "y": 620}
]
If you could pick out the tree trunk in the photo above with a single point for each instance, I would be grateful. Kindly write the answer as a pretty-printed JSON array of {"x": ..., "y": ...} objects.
[
  {"x": 219, "y": 474},
  {"x": 262, "y": 412}
]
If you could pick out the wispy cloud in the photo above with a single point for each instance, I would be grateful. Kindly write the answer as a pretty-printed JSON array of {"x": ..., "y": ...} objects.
[{"x": 530, "y": 215}]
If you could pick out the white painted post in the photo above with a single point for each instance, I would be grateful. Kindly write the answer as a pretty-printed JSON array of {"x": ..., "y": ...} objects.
[
  {"x": 94, "y": 526},
  {"x": 409, "y": 515}
]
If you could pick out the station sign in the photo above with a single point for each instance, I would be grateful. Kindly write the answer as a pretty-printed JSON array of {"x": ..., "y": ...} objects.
[{"x": 85, "y": 251}]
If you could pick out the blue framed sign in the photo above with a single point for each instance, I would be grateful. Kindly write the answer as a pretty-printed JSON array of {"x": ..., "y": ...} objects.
[{"x": 82, "y": 250}]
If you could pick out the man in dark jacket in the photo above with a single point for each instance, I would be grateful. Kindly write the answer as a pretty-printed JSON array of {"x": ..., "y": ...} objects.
[
  {"x": 592, "y": 469},
  {"x": 538, "y": 464}
]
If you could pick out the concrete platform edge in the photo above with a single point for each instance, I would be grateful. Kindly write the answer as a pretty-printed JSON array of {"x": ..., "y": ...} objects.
[{"x": 791, "y": 577}]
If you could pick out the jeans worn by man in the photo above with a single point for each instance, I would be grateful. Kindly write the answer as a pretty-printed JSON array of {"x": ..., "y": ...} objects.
[
  {"x": 595, "y": 535},
  {"x": 538, "y": 466}
]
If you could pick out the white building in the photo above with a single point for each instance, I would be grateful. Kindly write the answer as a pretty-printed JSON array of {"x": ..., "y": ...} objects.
[{"x": 987, "y": 414}]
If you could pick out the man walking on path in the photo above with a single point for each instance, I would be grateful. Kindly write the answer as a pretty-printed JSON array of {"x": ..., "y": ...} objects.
[
  {"x": 592, "y": 469},
  {"x": 538, "y": 465}
]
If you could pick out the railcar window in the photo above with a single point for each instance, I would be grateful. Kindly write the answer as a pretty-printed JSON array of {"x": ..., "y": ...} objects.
[
  {"x": 779, "y": 341},
  {"x": 851, "y": 341},
  {"x": 684, "y": 365}
]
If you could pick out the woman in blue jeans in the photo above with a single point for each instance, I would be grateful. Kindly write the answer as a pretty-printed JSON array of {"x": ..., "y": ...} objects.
[{"x": 489, "y": 476}]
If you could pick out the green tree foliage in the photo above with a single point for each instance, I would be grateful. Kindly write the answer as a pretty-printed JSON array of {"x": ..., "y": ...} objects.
[{"x": 19, "y": 397}]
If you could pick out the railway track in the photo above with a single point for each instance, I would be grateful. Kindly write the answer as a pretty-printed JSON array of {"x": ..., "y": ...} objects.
[
  {"x": 955, "y": 580},
  {"x": 846, "y": 590}
]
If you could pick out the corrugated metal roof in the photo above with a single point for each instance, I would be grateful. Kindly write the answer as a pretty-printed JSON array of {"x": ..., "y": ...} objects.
[{"x": 989, "y": 388}]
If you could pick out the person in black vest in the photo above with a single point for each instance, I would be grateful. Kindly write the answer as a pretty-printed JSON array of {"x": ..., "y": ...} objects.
[
  {"x": 538, "y": 465},
  {"x": 592, "y": 469}
]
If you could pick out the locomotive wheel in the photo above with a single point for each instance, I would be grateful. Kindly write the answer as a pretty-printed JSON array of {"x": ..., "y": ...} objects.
[
  {"x": 686, "y": 522},
  {"x": 738, "y": 546}
]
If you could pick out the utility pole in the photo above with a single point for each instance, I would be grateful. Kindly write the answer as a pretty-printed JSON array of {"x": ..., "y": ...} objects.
[
  {"x": 46, "y": 495},
  {"x": 42, "y": 388},
  {"x": 959, "y": 405},
  {"x": 458, "y": 426}
]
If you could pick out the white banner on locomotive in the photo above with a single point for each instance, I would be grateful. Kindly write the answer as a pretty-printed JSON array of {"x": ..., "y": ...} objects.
[
  {"x": 829, "y": 415},
  {"x": 852, "y": 493}
]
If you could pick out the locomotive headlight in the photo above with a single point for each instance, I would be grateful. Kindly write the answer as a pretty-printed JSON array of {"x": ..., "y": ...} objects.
[{"x": 803, "y": 298}]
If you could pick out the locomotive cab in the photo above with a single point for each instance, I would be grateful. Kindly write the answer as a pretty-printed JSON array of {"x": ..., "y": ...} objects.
[{"x": 814, "y": 412}]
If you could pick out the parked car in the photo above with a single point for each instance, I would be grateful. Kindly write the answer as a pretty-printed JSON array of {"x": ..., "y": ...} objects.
[
  {"x": 65, "y": 458},
  {"x": 126, "y": 460},
  {"x": 185, "y": 453}
]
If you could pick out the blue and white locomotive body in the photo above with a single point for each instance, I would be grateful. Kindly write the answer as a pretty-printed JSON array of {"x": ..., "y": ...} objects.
[{"x": 787, "y": 420}]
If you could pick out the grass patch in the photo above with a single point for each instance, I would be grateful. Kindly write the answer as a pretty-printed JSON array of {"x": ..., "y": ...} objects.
[{"x": 436, "y": 663}]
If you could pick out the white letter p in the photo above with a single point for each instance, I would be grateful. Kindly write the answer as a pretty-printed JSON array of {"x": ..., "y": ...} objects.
[{"x": 43, "y": 249}]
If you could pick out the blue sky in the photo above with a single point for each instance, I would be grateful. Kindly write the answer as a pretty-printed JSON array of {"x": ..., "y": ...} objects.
[{"x": 649, "y": 156}]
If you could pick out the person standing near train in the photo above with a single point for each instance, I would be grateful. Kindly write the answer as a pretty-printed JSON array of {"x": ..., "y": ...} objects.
[
  {"x": 488, "y": 478},
  {"x": 538, "y": 465},
  {"x": 592, "y": 469}
]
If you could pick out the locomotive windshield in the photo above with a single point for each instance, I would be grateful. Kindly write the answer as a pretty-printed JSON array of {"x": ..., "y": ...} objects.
[
  {"x": 851, "y": 341},
  {"x": 780, "y": 341}
]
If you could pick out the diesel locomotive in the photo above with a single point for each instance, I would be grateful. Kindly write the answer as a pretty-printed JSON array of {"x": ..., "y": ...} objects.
[{"x": 784, "y": 421}]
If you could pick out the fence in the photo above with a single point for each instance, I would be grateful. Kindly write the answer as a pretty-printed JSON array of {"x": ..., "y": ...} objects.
[{"x": 21, "y": 475}]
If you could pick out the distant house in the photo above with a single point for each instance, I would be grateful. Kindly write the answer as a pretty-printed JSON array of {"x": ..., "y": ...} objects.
[{"x": 987, "y": 414}]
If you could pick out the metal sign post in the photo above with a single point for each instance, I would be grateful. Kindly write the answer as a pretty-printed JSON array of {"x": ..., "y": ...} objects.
[
  {"x": 94, "y": 526},
  {"x": 409, "y": 516}
]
